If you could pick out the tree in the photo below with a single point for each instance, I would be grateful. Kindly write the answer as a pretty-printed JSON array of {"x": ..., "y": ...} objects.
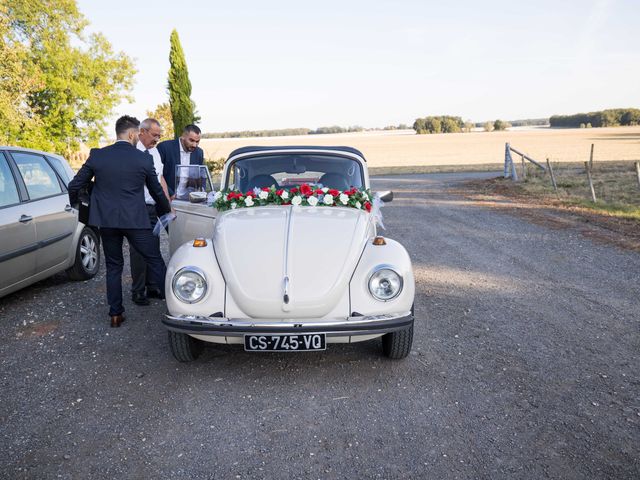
[
  {"x": 58, "y": 86},
  {"x": 500, "y": 125},
  {"x": 179, "y": 86},
  {"x": 488, "y": 126},
  {"x": 162, "y": 113}
]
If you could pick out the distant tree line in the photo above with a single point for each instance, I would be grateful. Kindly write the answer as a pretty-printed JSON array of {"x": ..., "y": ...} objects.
[
  {"x": 438, "y": 124},
  {"x": 527, "y": 122},
  {"x": 606, "y": 118},
  {"x": 283, "y": 132}
]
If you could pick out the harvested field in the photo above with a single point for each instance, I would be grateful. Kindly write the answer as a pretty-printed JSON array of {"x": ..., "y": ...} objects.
[{"x": 404, "y": 148}]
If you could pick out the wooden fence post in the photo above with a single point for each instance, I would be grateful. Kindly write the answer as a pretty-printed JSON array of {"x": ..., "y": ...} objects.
[
  {"x": 524, "y": 169},
  {"x": 593, "y": 192},
  {"x": 514, "y": 174},
  {"x": 638, "y": 172},
  {"x": 591, "y": 158},
  {"x": 553, "y": 177}
]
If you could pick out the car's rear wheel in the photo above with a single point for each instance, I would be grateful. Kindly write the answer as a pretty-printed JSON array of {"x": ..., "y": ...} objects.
[
  {"x": 87, "y": 261},
  {"x": 184, "y": 347}
]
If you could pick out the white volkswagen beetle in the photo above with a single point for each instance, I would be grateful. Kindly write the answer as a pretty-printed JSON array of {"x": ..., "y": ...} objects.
[{"x": 286, "y": 257}]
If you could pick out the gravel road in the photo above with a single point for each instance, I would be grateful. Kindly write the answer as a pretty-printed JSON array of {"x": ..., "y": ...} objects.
[{"x": 525, "y": 365}]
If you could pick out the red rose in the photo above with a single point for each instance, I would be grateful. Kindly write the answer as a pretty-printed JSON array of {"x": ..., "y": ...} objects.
[
  {"x": 367, "y": 206},
  {"x": 248, "y": 194},
  {"x": 319, "y": 192},
  {"x": 294, "y": 190},
  {"x": 305, "y": 190},
  {"x": 333, "y": 192},
  {"x": 279, "y": 192},
  {"x": 265, "y": 189}
]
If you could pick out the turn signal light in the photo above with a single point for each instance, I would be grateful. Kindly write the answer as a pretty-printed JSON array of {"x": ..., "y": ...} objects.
[
  {"x": 199, "y": 242},
  {"x": 379, "y": 241}
]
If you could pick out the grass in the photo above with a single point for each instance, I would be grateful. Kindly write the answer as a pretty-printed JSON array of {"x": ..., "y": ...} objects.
[{"x": 615, "y": 184}]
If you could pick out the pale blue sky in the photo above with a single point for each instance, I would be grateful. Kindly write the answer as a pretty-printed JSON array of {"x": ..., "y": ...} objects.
[{"x": 277, "y": 64}]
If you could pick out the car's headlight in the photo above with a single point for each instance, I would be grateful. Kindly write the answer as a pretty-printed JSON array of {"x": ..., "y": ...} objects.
[
  {"x": 189, "y": 284},
  {"x": 385, "y": 283}
]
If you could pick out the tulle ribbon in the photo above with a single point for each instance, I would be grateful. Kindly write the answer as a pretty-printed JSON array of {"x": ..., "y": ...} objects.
[
  {"x": 163, "y": 223},
  {"x": 376, "y": 214}
]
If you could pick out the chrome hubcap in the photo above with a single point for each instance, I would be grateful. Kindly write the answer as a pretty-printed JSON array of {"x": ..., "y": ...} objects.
[{"x": 88, "y": 252}]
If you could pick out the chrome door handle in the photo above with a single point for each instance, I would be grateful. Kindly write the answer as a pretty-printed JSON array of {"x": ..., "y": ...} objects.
[
  {"x": 68, "y": 208},
  {"x": 25, "y": 218}
]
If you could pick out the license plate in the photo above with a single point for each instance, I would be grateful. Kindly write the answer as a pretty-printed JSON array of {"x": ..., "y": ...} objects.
[{"x": 285, "y": 343}]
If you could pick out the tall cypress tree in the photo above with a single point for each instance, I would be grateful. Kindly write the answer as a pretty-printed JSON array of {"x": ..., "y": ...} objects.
[{"x": 179, "y": 87}]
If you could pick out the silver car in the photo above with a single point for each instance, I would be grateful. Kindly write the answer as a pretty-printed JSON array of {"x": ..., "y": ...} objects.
[{"x": 40, "y": 233}]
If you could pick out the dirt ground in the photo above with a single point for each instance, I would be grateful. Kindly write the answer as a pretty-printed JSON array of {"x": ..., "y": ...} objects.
[
  {"x": 505, "y": 195},
  {"x": 524, "y": 365}
]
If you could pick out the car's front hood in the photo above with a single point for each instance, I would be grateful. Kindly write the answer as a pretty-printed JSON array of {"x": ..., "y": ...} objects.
[{"x": 316, "y": 248}]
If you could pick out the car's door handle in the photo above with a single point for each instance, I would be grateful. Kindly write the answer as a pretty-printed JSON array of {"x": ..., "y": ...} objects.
[
  {"x": 68, "y": 208},
  {"x": 25, "y": 218}
]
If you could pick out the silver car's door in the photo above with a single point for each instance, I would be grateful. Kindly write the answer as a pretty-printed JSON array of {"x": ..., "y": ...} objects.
[
  {"x": 18, "y": 243},
  {"x": 55, "y": 220}
]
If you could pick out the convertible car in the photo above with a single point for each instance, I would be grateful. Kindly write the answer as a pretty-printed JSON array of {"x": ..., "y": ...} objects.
[{"x": 286, "y": 256}]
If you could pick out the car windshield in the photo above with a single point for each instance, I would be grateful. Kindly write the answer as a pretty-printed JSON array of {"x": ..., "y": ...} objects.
[{"x": 290, "y": 170}]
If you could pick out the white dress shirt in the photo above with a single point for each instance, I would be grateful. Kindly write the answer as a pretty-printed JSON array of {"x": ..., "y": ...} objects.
[
  {"x": 185, "y": 157},
  {"x": 157, "y": 164}
]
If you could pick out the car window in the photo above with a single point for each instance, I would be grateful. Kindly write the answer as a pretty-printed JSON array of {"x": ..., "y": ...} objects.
[
  {"x": 40, "y": 179},
  {"x": 295, "y": 169},
  {"x": 8, "y": 189},
  {"x": 62, "y": 168}
]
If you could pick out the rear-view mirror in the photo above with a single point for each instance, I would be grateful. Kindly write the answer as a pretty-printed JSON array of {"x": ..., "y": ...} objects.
[{"x": 386, "y": 196}]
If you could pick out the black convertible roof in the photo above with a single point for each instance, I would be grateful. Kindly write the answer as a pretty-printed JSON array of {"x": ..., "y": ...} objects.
[{"x": 256, "y": 149}]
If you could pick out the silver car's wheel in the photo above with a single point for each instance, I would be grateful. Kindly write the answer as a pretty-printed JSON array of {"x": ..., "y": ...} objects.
[{"x": 87, "y": 261}]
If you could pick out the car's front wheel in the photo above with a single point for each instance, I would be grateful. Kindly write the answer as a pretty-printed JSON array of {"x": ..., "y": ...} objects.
[
  {"x": 87, "y": 261},
  {"x": 397, "y": 345},
  {"x": 184, "y": 347}
]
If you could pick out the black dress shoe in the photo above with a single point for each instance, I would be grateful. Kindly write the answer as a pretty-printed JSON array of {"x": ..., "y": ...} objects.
[
  {"x": 154, "y": 293},
  {"x": 140, "y": 299}
]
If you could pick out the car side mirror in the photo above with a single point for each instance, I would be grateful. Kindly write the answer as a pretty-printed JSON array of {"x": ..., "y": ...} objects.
[{"x": 387, "y": 196}]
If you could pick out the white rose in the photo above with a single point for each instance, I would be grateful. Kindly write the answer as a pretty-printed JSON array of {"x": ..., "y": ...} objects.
[
  {"x": 313, "y": 201},
  {"x": 358, "y": 205},
  {"x": 234, "y": 205},
  {"x": 217, "y": 195},
  {"x": 327, "y": 199},
  {"x": 297, "y": 200},
  {"x": 284, "y": 195},
  {"x": 344, "y": 198},
  {"x": 263, "y": 195},
  {"x": 248, "y": 201},
  {"x": 325, "y": 189},
  {"x": 365, "y": 196}
]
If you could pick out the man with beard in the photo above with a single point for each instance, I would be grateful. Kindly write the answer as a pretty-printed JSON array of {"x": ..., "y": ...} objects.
[
  {"x": 142, "y": 287},
  {"x": 118, "y": 208},
  {"x": 183, "y": 150}
]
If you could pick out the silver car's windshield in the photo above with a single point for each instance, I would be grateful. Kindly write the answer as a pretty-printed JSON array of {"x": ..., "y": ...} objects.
[{"x": 289, "y": 170}]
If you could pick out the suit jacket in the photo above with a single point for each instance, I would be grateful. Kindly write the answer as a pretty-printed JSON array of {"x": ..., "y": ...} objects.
[
  {"x": 117, "y": 198},
  {"x": 170, "y": 156}
]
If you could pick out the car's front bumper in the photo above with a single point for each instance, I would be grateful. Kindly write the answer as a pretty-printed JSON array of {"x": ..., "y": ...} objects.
[{"x": 234, "y": 327}]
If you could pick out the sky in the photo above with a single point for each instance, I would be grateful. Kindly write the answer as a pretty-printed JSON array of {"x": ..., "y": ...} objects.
[{"x": 285, "y": 64}]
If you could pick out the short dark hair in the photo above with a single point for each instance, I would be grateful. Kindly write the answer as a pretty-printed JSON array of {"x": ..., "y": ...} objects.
[
  {"x": 191, "y": 128},
  {"x": 126, "y": 122}
]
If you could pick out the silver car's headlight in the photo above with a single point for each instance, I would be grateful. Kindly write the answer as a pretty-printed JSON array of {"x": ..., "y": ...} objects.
[
  {"x": 189, "y": 284},
  {"x": 385, "y": 283}
]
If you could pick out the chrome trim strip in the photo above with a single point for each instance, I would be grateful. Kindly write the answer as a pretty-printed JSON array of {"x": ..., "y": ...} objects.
[{"x": 367, "y": 325}]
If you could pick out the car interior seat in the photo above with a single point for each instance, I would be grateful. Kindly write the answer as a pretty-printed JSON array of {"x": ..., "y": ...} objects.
[
  {"x": 262, "y": 181},
  {"x": 334, "y": 180}
]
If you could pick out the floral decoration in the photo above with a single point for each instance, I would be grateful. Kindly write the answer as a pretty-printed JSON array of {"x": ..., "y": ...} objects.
[{"x": 304, "y": 195}]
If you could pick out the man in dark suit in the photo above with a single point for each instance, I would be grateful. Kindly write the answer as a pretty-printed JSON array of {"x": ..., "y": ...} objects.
[
  {"x": 118, "y": 209},
  {"x": 183, "y": 150}
]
